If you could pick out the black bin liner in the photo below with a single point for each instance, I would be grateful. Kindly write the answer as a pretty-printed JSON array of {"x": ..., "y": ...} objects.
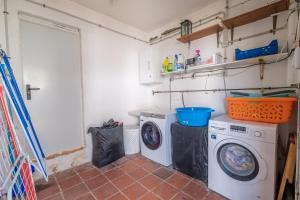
[
  {"x": 108, "y": 145},
  {"x": 189, "y": 153}
]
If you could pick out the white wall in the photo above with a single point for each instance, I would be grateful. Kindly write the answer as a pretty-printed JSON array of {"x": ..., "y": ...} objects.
[
  {"x": 275, "y": 74},
  {"x": 109, "y": 66}
]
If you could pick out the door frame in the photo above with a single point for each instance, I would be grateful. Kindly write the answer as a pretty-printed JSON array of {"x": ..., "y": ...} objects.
[{"x": 35, "y": 19}]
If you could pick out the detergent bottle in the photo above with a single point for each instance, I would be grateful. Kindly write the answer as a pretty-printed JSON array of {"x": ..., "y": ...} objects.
[
  {"x": 180, "y": 62},
  {"x": 170, "y": 65},
  {"x": 197, "y": 57},
  {"x": 175, "y": 65},
  {"x": 166, "y": 64}
]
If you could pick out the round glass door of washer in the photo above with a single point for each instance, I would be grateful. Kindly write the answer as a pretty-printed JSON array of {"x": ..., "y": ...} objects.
[
  {"x": 237, "y": 161},
  {"x": 151, "y": 135}
]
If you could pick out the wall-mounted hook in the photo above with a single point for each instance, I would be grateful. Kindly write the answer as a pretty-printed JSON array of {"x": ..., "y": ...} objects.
[
  {"x": 274, "y": 24},
  {"x": 218, "y": 39},
  {"x": 232, "y": 34},
  {"x": 262, "y": 68}
]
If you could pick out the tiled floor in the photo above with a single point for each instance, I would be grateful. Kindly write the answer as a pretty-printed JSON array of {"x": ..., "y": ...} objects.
[{"x": 132, "y": 177}]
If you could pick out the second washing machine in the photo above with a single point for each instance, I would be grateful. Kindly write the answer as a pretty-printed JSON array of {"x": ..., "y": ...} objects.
[
  {"x": 242, "y": 158},
  {"x": 155, "y": 136}
]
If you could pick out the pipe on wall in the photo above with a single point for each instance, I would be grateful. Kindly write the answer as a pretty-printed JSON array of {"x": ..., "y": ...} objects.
[
  {"x": 87, "y": 21},
  {"x": 257, "y": 34},
  {"x": 5, "y": 12},
  {"x": 198, "y": 23},
  {"x": 294, "y": 86}
]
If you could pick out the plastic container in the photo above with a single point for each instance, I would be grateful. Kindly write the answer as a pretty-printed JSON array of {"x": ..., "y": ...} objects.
[
  {"x": 272, "y": 110},
  {"x": 272, "y": 48},
  {"x": 131, "y": 139},
  {"x": 194, "y": 116}
]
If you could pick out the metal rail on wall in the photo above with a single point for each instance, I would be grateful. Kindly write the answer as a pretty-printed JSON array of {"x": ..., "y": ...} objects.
[
  {"x": 87, "y": 21},
  {"x": 293, "y": 86}
]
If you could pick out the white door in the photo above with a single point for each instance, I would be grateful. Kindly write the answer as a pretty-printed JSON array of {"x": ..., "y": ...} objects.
[{"x": 52, "y": 83}]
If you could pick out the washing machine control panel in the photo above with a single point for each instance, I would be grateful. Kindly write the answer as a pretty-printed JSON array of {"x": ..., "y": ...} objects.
[
  {"x": 238, "y": 129},
  {"x": 245, "y": 131}
]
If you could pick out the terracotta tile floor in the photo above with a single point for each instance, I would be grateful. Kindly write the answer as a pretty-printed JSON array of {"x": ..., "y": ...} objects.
[{"x": 131, "y": 177}]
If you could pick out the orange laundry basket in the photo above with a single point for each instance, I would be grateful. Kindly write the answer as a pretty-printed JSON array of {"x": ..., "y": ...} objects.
[{"x": 272, "y": 110}]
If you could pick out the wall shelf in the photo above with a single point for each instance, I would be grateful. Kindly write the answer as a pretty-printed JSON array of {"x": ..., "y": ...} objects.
[
  {"x": 208, "y": 67},
  {"x": 239, "y": 20},
  {"x": 201, "y": 33},
  {"x": 257, "y": 14}
]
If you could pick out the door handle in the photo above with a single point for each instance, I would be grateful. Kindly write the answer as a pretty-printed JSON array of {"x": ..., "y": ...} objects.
[{"x": 28, "y": 91}]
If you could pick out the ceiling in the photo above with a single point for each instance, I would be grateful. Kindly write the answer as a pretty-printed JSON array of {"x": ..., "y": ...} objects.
[{"x": 146, "y": 15}]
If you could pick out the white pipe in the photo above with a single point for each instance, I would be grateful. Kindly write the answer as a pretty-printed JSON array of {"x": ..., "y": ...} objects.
[
  {"x": 86, "y": 20},
  {"x": 239, "y": 4},
  {"x": 298, "y": 31},
  {"x": 225, "y": 32},
  {"x": 198, "y": 23},
  {"x": 5, "y": 12}
]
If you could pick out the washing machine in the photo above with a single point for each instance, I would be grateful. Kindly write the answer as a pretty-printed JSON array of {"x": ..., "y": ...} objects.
[
  {"x": 155, "y": 136},
  {"x": 242, "y": 158}
]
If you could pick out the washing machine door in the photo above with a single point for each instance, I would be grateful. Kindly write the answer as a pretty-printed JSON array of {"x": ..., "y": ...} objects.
[
  {"x": 151, "y": 135},
  {"x": 240, "y": 161}
]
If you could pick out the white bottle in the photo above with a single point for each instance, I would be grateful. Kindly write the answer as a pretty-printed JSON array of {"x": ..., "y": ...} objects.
[{"x": 180, "y": 62}]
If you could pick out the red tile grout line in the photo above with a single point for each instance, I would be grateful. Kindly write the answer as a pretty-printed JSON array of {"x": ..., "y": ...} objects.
[
  {"x": 76, "y": 174},
  {"x": 135, "y": 181},
  {"x": 125, "y": 172},
  {"x": 165, "y": 181},
  {"x": 109, "y": 181},
  {"x": 83, "y": 181},
  {"x": 191, "y": 179},
  {"x": 149, "y": 173},
  {"x": 162, "y": 180},
  {"x": 60, "y": 189},
  {"x": 181, "y": 190},
  {"x": 116, "y": 186}
]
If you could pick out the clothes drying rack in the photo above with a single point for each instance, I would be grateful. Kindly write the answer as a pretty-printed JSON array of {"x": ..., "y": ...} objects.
[
  {"x": 15, "y": 175},
  {"x": 14, "y": 95},
  {"x": 16, "y": 168}
]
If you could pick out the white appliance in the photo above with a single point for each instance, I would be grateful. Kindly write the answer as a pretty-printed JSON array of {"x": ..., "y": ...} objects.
[
  {"x": 149, "y": 67},
  {"x": 155, "y": 136},
  {"x": 242, "y": 158}
]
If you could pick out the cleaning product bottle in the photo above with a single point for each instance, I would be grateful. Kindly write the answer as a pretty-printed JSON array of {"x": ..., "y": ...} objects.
[
  {"x": 175, "y": 65},
  {"x": 165, "y": 65},
  {"x": 198, "y": 57},
  {"x": 180, "y": 62},
  {"x": 170, "y": 65}
]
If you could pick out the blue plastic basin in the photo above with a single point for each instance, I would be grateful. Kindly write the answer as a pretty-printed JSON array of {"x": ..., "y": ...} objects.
[{"x": 194, "y": 116}]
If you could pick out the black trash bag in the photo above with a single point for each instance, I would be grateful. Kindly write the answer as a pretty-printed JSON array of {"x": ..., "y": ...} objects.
[
  {"x": 108, "y": 145},
  {"x": 189, "y": 150}
]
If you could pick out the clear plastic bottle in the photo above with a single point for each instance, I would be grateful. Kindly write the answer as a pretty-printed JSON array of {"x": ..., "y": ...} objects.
[
  {"x": 198, "y": 57},
  {"x": 175, "y": 66},
  {"x": 180, "y": 62}
]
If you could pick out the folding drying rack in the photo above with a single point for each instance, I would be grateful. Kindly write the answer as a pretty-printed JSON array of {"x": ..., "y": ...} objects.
[
  {"x": 16, "y": 168},
  {"x": 15, "y": 174}
]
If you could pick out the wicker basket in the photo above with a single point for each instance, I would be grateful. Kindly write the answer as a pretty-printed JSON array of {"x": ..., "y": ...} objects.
[{"x": 272, "y": 110}]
